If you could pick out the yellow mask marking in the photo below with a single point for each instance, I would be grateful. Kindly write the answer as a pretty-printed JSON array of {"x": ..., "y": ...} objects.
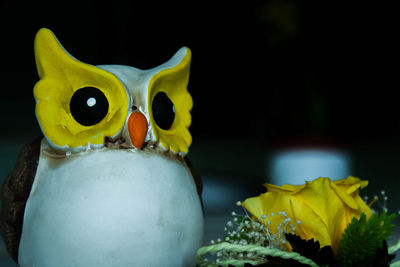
[
  {"x": 173, "y": 81},
  {"x": 61, "y": 75}
]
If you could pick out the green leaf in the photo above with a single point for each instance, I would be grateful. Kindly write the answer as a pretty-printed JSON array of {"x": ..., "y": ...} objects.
[{"x": 363, "y": 237}]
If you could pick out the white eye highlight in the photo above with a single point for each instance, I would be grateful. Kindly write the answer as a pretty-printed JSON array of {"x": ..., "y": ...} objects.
[{"x": 91, "y": 102}]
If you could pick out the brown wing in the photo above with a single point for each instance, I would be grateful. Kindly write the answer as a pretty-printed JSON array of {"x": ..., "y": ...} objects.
[
  {"x": 15, "y": 193},
  {"x": 197, "y": 180}
]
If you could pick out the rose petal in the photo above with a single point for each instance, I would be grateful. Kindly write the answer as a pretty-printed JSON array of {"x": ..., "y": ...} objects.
[
  {"x": 324, "y": 201},
  {"x": 363, "y": 207},
  {"x": 284, "y": 188},
  {"x": 351, "y": 184},
  {"x": 311, "y": 225},
  {"x": 254, "y": 206},
  {"x": 345, "y": 197}
]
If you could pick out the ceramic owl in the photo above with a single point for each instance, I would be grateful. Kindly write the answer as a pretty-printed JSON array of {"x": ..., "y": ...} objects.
[{"x": 108, "y": 184}]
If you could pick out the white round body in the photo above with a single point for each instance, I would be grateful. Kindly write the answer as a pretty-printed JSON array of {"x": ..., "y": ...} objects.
[{"x": 111, "y": 208}]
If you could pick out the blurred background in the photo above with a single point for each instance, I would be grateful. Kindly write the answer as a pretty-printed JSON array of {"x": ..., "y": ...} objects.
[{"x": 284, "y": 91}]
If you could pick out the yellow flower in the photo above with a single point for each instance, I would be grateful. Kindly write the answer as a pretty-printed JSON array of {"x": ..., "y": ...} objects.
[{"x": 323, "y": 207}]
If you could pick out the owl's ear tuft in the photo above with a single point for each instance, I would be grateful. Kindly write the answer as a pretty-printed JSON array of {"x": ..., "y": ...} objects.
[
  {"x": 181, "y": 59},
  {"x": 50, "y": 55}
]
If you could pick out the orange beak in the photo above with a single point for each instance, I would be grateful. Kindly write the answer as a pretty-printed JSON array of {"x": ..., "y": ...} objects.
[{"x": 137, "y": 126}]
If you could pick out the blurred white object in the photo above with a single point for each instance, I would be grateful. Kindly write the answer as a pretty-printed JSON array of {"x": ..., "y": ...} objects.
[{"x": 297, "y": 165}]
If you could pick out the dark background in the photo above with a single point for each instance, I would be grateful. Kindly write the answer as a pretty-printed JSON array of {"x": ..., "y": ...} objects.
[
  {"x": 263, "y": 69},
  {"x": 264, "y": 75}
]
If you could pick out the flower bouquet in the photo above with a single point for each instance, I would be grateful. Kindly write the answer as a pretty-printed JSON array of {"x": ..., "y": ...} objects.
[{"x": 320, "y": 223}]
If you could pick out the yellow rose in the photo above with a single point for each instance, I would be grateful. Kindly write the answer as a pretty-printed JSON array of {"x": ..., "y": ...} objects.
[{"x": 323, "y": 207}]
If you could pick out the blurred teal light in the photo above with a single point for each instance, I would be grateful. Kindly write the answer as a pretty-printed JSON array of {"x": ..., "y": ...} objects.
[{"x": 295, "y": 166}]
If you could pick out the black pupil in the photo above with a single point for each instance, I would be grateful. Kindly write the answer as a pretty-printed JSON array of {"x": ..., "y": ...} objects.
[
  {"x": 163, "y": 111},
  {"x": 88, "y": 106}
]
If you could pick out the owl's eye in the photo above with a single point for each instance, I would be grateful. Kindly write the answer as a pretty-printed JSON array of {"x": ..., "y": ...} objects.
[
  {"x": 88, "y": 106},
  {"x": 163, "y": 111}
]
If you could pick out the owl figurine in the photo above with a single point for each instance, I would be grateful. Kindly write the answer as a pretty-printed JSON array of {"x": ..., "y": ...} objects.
[{"x": 108, "y": 183}]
